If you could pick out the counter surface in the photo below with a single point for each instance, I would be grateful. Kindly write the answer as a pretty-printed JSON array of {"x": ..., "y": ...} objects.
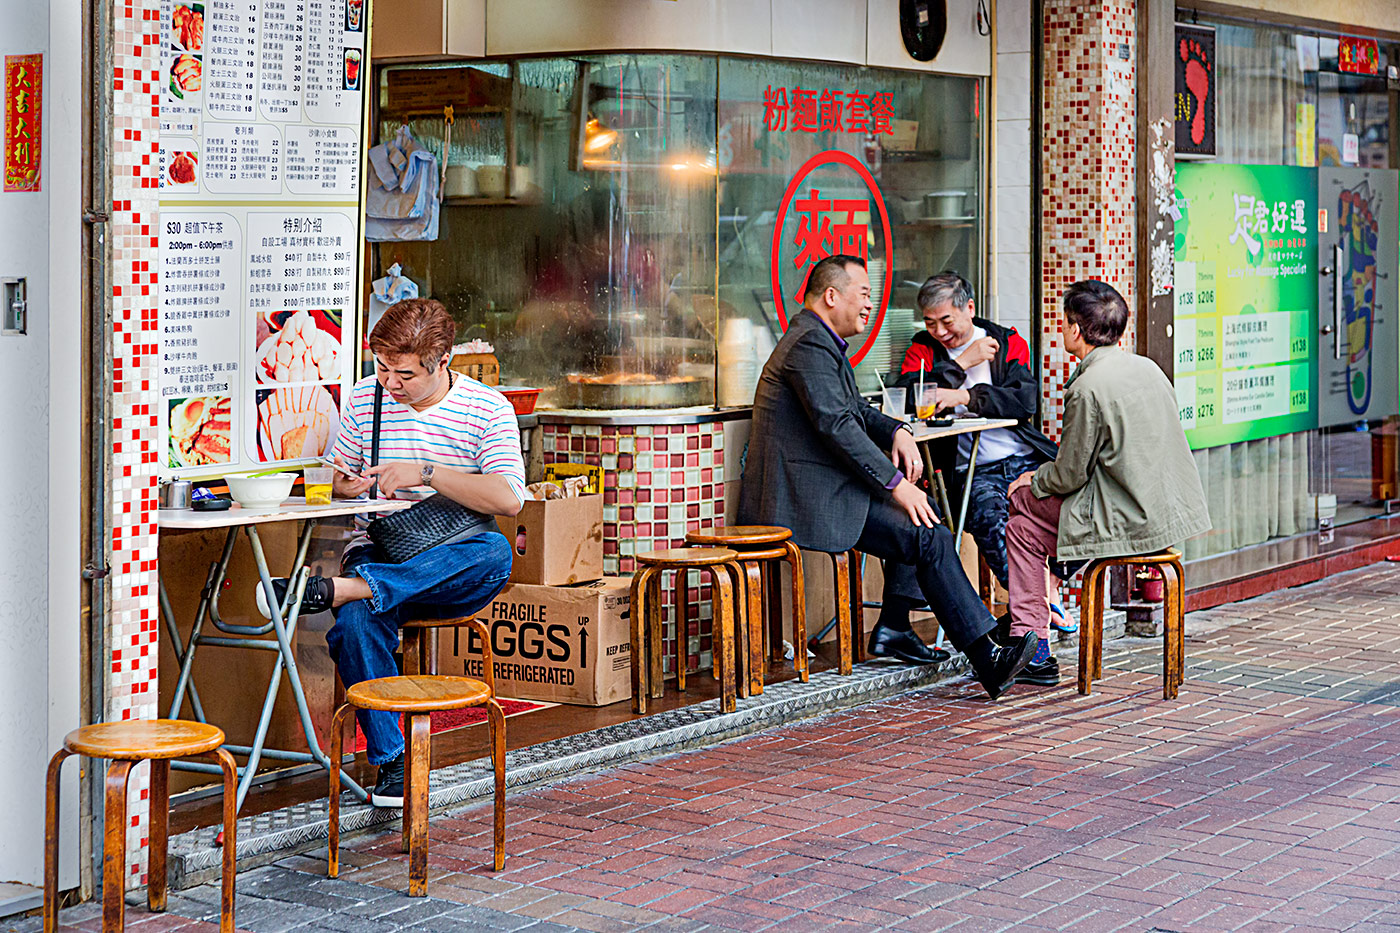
[{"x": 292, "y": 509}]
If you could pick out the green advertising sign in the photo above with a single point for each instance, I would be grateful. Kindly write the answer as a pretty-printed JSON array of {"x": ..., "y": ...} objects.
[{"x": 1246, "y": 301}]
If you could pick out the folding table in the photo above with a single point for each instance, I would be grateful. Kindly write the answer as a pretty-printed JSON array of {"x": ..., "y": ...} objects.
[{"x": 252, "y": 637}]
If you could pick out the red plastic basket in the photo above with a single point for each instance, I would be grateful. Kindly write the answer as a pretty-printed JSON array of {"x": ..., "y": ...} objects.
[{"x": 523, "y": 399}]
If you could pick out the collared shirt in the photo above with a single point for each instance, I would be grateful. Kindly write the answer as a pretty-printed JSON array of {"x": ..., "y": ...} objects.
[{"x": 845, "y": 345}]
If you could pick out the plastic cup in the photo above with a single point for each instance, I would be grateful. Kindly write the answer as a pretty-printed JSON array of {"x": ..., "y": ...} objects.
[
  {"x": 892, "y": 401},
  {"x": 318, "y": 485},
  {"x": 928, "y": 402}
]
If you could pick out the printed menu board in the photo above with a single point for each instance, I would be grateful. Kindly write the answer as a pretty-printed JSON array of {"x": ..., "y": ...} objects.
[
  {"x": 1246, "y": 301},
  {"x": 262, "y": 106}
]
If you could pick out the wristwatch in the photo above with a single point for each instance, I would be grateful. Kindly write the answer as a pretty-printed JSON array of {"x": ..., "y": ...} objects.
[{"x": 425, "y": 475}]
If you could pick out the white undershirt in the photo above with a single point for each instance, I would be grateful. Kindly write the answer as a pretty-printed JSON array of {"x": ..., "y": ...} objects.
[{"x": 998, "y": 443}]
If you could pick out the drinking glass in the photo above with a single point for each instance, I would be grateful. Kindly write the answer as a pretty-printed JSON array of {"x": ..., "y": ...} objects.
[
  {"x": 318, "y": 485},
  {"x": 892, "y": 401}
]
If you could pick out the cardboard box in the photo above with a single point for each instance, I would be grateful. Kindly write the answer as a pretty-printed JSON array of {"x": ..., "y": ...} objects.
[
  {"x": 563, "y": 644},
  {"x": 556, "y": 541}
]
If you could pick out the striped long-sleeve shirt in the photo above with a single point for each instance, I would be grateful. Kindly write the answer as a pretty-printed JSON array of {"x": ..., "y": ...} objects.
[{"x": 473, "y": 429}]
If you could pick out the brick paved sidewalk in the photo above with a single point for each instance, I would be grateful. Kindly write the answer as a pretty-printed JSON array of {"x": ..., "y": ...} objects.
[{"x": 1266, "y": 798}]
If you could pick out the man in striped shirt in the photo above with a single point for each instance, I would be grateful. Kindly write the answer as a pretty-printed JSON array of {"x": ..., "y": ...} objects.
[{"x": 439, "y": 432}]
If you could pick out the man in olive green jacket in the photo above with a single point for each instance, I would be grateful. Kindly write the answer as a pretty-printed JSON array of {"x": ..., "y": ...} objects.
[{"x": 1123, "y": 482}]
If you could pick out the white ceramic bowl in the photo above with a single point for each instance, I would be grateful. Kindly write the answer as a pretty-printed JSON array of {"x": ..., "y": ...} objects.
[{"x": 260, "y": 492}]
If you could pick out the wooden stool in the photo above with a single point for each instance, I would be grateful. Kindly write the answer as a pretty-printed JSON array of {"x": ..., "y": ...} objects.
[
  {"x": 850, "y": 608},
  {"x": 727, "y": 578},
  {"x": 760, "y": 548},
  {"x": 1173, "y": 619},
  {"x": 420, "y": 647},
  {"x": 418, "y": 696},
  {"x": 125, "y": 744}
]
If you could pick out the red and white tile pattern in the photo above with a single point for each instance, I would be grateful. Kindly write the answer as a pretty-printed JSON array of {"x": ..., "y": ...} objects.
[
  {"x": 131, "y": 680},
  {"x": 660, "y": 482},
  {"x": 1089, "y": 116}
]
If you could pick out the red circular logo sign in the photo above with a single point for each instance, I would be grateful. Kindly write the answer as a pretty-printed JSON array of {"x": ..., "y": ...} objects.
[{"x": 817, "y": 237}]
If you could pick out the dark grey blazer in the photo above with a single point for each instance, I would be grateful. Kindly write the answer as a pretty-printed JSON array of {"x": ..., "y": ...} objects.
[{"x": 817, "y": 451}]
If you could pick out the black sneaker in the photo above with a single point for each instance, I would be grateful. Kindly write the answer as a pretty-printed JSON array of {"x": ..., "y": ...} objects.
[
  {"x": 318, "y": 596},
  {"x": 388, "y": 789},
  {"x": 1040, "y": 673}
]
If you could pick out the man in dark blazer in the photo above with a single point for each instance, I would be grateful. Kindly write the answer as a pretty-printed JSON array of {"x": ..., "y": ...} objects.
[{"x": 828, "y": 465}]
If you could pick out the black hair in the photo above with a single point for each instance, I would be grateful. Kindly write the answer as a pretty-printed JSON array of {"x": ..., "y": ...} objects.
[
  {"x": 1098, "y": 309},
  {"x": 830, "y": 273}
]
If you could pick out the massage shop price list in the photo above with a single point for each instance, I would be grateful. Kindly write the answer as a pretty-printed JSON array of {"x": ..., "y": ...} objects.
[
  {"x": 1245, "y": 303},
  {"x": 262, "y": 104}
]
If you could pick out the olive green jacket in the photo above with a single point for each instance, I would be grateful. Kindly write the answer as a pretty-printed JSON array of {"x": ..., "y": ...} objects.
[{"x": 1126, "y": 474}]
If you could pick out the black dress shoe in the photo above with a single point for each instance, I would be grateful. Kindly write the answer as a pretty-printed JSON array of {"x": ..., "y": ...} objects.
[
  {"x": 1041, "y": 673},
  {"x": 1005, "y": 663},
  {"x": 906, "y": 646}
]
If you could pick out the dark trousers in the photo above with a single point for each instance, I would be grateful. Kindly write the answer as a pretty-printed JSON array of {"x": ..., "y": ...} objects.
[
  {"x": 891, "y": 536},
  {"x": 986, "y": 522}
]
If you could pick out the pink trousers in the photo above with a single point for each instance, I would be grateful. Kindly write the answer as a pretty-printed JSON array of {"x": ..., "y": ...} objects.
[{"x": 1032, "y": 526}]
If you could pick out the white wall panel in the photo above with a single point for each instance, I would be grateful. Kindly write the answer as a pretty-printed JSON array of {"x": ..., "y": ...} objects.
[
  {"x": 825, "y": 30},
  {"x": 524, "y": 27},
  {"x": 964, "y": 51}
]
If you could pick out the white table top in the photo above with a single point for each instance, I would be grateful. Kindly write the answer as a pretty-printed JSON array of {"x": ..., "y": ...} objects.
[
  {"x": 923, "y": 432},
  {"x": 292, "y": 509}
]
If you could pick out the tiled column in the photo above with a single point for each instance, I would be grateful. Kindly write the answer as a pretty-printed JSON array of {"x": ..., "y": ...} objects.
[
  {"x": 660, "y": 482},
  {"x": 135, "y": 339},
  {"x": 1088, "y": 122}
]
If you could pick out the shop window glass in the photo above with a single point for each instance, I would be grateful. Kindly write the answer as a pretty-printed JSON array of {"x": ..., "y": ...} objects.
[
  {"x": 773, "y": 117},
  {"x": 1267, "y": 111},
  {"x": 584, "y": 233}
]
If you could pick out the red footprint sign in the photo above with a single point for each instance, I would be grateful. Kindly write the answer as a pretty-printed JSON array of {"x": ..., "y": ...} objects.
[{"x": 1195, "y": 90}]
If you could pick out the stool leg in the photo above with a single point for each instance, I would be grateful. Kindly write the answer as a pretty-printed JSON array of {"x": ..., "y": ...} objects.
[
  {"x": 337, "y": 750},
  {"x": 840, "y": 569},
  {"x": 724, "y": 638},
  {"x": 637, "y": 612},
  {"x": 159, "y": 836},
  {"x": 51, "y": 840},
  {"x": 415, "y": 817},
  {"x": 753, "y": 619},
  {"x": 799, "y": 610},
  {"x": 1088, "y": 603},
  {"x": 114, "y": 848},
  {"x": 1171, "y": 629},
  {"x": 682, "y": 627},
  {"x": 411, "y": 653},
  {"x": 772, "y": 585},
  {"x": 739, "y": 659},
  {"x": 857, "y": 606},
  {"x": 230, "y": 866},
  {"x": 657, "y": 645},
  {"x": 1181, "y": 630},
  {"x": 496, "y": 722}
]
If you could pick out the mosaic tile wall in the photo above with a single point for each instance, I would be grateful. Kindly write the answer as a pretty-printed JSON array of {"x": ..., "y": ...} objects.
[
  {"x": 660, "y": 482},
  {"x": 131, "y": 683},
  {"x": 1089, "y": 118}
]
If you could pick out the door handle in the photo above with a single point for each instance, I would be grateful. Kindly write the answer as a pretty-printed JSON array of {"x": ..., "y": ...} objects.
[{"x": 1336, "y": 301}]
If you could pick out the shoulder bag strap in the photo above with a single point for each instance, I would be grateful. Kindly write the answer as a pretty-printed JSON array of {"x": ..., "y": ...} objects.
[{"x": 374, "y": 435}]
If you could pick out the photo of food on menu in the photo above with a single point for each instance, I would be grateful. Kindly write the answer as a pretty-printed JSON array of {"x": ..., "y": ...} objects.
[
  {"x": 297, "y": 422},
  {"x": 183, "y": 168},
  {"x": 200, "y": 429},
  {"x": 298, "y": 346},
  {"x": 354, "y": 15},
  {"x": 352, "y": 69}
]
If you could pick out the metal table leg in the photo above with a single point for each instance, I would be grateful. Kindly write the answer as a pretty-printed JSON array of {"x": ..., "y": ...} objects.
[
  {"x": 962, "y": 512},
  {"x": 283, "y": 626}
]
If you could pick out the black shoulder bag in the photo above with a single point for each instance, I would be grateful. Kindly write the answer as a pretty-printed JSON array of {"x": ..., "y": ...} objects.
[{"x": 434, "y": 521}]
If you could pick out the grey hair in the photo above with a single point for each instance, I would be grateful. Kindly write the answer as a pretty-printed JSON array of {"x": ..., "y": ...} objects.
[{"x": 945, "y": 287}]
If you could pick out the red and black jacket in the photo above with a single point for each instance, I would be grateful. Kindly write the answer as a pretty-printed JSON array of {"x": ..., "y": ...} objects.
[{"x": 1013, "y": 390}]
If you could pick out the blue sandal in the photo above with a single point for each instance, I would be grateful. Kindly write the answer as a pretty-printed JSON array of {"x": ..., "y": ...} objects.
[{"x": 1061, "y": 622}]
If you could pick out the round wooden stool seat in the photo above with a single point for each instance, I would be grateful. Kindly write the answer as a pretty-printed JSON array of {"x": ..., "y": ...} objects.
[
  {"x": 1160, "y": 557},
  {"x": 141, "y": 739},
  {"x": 740, "y": 535},
  {"x": 419, "y": 693},
  {"x": 671, "y": 558}
]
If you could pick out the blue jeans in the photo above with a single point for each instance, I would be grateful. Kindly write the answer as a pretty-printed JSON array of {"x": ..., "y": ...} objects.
[{"x": 445, "y": 582}]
